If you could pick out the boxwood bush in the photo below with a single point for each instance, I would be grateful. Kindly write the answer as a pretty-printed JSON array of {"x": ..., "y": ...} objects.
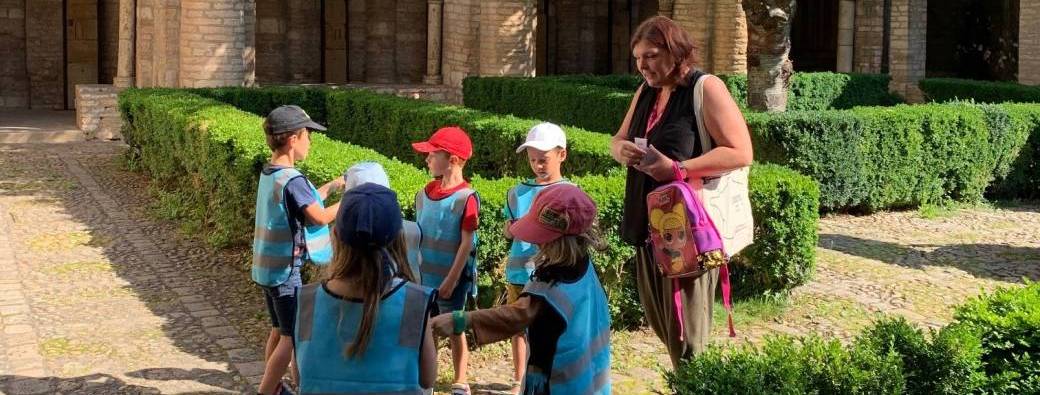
[
  {"x": 991, "y": 347},
  {"x": 388, "y": 124},
  {"x": 947, "y": 89},
  {"x": 599, "y": 103},
  {"x": 873, "y": 158},
  {"x": 208, "y": 154}
]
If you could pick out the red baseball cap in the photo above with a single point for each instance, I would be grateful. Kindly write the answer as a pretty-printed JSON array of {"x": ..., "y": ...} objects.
[
  {"x": 562, "y": 209},
  {"x": 452, "y": 139}
]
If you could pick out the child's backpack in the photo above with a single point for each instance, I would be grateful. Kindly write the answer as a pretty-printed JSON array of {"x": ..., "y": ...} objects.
[{"x": 685, "y": 241}]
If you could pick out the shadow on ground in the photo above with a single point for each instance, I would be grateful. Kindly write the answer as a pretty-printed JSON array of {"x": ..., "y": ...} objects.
[
  {"x": 44, "y": 174},
  {"x": 993, "y": 261},
  {"x": 108, "y": 384}
]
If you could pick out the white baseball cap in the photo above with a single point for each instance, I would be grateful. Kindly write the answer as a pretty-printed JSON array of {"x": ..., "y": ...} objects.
[
  {"x": 365, "y": 172},
  {"x": 544, "y": 137}
]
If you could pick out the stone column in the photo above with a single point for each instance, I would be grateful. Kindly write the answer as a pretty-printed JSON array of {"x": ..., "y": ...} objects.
[
  {"x": 216, "y": 47},
  {"x": 907, "y": 47},
  {"x": 125, "y": 67},
  {"x": 1029, "y": 42},
  {"x": 846, "y": 33},
  {"x": 433, "y": 42}
]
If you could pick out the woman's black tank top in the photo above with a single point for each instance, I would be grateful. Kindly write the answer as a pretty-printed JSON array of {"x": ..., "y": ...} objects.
[{"x": 675, "y": 135}]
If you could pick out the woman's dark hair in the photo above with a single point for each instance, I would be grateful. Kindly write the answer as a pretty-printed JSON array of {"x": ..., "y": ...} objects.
[{"x": 664, "y": 33}]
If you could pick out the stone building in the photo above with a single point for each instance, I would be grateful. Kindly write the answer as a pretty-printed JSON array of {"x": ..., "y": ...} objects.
[{"x": 52, "y": 46}]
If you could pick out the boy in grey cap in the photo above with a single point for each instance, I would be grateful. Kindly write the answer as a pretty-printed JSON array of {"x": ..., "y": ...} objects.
[{"x": 291, "y": 228}]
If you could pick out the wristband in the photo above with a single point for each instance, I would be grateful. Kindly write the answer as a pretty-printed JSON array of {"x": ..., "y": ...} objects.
[
  {"x": 459, "y": 317},
  {"x": 679, "y": 171}
]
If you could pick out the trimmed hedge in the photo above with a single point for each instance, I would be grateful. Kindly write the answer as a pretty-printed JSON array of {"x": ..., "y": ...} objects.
[
  {"x": 209, "y": 155},
  {"x": 947, "y": 89},
  {"x": 261, "y": 101},
  {"x": 993, "y": 346},
  {"x": 599, "y": 103},
  {"x": 389, "y": 124},
  {"x": 873, "y": 158}
]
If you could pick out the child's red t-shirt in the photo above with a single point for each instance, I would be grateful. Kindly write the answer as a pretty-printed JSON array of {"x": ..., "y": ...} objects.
[{"x": 469, "y": 215}]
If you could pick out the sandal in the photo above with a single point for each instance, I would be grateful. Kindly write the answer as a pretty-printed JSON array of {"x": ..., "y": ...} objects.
[{"x": 460, "y": 389}]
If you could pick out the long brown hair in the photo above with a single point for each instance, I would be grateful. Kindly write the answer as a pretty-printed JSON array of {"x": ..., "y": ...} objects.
[
  {"x": 664, "y": 33},
  {"x": 567, "y": 251},
  {"x": 367, "y": 267}
]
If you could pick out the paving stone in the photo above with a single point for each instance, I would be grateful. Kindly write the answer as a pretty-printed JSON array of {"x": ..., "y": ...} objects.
[
  {"x": 249, "y": 368},
  {"x": 29, "y": 387}
]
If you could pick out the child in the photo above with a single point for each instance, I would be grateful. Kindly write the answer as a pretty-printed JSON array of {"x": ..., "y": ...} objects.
[
  {"x": 446, "y": 210},
  {"x": 290, "y": 229},
  {"x": 364, "y": 330},
  {"x": 364, "y": 172},
  {"x": 562, "y": 308},
  {"x": 546, "y": 148}
]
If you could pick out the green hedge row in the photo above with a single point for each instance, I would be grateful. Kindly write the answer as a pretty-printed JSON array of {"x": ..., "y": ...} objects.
[
  {"x": 947, "y": 89},
  {"x": 209, "y": 155},
  {"x": 262, "y": 101},
  {"x": 873, "y": 158},
  {"x": 992, "y": 347},
  {"x": 599, "y": 103},
  {"x": 389, "y": 124}
]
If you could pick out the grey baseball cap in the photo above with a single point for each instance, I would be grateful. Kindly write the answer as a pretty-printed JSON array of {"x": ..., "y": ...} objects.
[{"x": 289, "y": 118}]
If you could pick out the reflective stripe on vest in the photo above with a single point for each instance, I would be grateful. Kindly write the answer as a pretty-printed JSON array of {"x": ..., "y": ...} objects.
[
  {"x": 412, "y": 238},
  {"x": 520, "y": 264},
  {"x": 441, "y": 224},
  {"x": 325, "y": 324},
  {"x": 581, "y": 364},
  {"x": 272, "y": 237}
]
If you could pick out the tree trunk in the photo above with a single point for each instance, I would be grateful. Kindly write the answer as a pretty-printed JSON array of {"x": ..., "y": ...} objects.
[{"x": 769, "y": 44}]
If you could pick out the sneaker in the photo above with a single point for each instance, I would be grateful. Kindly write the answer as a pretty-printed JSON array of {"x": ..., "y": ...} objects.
[{"x": 460, "y": 389}]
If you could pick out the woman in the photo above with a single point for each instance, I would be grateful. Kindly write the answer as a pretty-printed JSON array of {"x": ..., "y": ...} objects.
[{"x": 661, "y": 111}]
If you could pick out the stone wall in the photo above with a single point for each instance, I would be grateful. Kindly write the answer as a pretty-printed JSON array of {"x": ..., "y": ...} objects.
[
  {"x": 288, "y": 41},
  {"x": 1029, "y": 42},
  {"x": 907, "y": 48},
  {"x": 14, "y": 78},
  {"x": 869, "y": 36},
  {"x": 460, "y": 43},
  {"x": 507, "y": 37},
  {"x": 44, "y": 58},
  {"x": 97, "y": 111},
  {"x": 719, "y": 31},
  {"x": 216, "y": 43},
  {"x": 158, "y": 43}
]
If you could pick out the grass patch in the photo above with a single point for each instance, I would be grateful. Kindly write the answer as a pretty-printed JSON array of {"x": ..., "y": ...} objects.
[
  {"x": 64, "y": 347},
  {"x": 66, "y": 240},
  {"x": 749, "y": 311},
  {"x": 78, "y": 268}
]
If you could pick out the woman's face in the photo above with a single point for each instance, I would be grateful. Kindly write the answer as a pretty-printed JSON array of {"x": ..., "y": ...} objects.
[{"x": 653, "y": 63}]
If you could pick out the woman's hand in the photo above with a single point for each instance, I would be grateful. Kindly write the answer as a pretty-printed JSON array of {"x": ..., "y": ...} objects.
[
  {"x": 656, "y": 165},
  {"x": 626, "y": 152},
  {"x": 442, "y": 325}
]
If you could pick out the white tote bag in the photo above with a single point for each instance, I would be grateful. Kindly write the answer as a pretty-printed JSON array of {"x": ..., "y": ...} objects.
[{"x": 725, "y": 197}]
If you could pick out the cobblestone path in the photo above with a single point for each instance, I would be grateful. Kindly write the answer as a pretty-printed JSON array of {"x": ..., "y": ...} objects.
[
  {"x": 100, "y": 296},
  {"x": 96, "y": 298}
]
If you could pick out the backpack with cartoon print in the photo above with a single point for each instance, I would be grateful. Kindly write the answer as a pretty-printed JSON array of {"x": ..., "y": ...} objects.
[
  {"x": 683, "y": 238},
  {"x": 685, "y": 242}
]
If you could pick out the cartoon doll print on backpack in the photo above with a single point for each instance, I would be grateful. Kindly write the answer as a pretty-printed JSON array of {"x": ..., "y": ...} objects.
[{"x": 683, "y": 238}]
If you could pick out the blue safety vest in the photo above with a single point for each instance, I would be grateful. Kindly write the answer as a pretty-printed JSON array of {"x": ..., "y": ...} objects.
[
  {"x": 520, "y": 263},
  {"x": 326, "y": 324},
  {"x": 412, "y": 238},
  {"x": 581, "y": 364},
  {"x": 441, "y": 223},
  {"x": 273, "y": 239}
]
